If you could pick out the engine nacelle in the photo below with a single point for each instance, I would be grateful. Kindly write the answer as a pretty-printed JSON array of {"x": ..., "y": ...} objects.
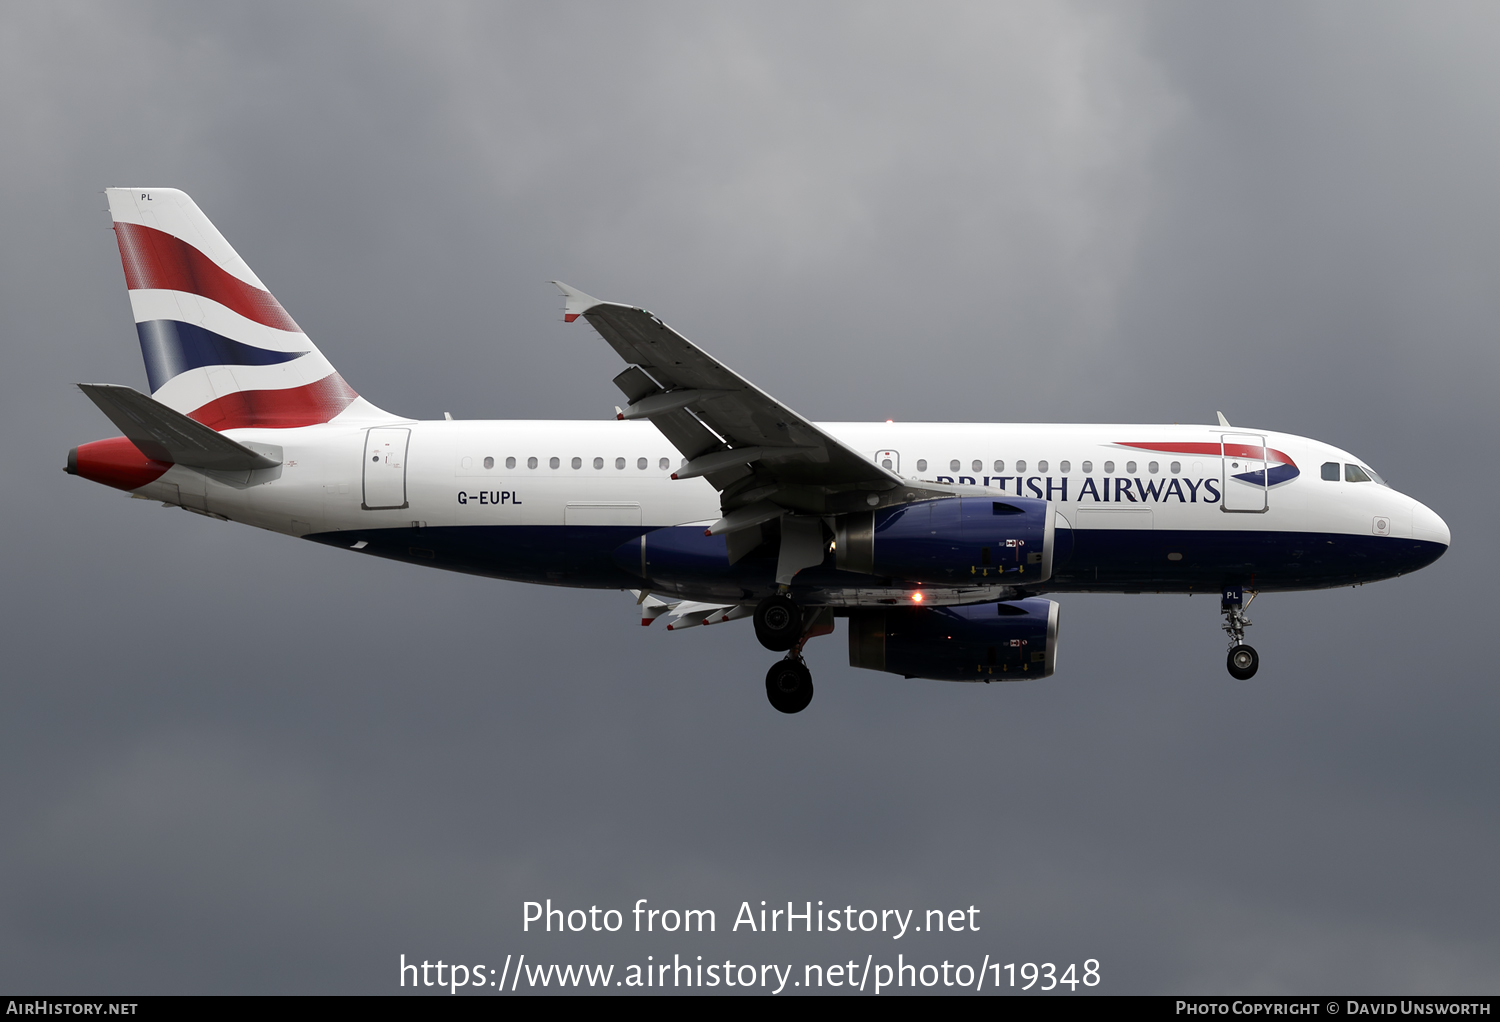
[
  {"x": 950, "y": 539},
  {"x": 1010, "y": 641}
]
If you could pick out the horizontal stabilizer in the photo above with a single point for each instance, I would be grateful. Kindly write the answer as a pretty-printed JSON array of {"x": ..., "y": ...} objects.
[{"x": 164, "y": 434}]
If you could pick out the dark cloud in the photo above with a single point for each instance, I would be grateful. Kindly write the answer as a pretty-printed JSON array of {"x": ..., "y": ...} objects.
[{"x": 241, "y": 763}]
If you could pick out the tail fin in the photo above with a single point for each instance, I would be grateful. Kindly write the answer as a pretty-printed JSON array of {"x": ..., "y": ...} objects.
[{"x": 218, "y": 346}]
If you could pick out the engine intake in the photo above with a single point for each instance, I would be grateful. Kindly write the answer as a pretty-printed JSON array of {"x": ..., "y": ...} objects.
[
  {"x": 1011, "y": 641},
  {"x": 951, "y": 538}
]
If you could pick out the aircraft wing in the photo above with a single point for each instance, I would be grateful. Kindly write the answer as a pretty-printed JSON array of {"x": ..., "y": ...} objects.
[{"x": 761, "y": 456}]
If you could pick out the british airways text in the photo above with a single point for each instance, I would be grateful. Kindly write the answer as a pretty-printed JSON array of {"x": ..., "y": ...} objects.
[{"x": 1107, "y": 490}]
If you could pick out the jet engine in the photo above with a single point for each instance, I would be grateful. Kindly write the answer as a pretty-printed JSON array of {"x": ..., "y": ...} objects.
[
  {"x": 1010, "y": 641},
  {"x": 952, "y": 539}
]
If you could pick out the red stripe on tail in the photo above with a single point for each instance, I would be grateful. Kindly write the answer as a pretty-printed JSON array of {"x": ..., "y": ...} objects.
[
  {"x": 278, "y": 409},
  {"x": 156, "y": 259}
]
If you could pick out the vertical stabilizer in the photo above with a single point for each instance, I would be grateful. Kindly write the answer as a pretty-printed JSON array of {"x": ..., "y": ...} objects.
[{"x": 217, "y": 344}]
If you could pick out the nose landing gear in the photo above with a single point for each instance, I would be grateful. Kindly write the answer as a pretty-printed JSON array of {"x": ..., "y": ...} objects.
[{"x": 1243, "y": 660}]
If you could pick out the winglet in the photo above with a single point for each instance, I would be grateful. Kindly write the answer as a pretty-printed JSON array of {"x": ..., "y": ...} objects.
[
  {"x": 1222, "y": 421},
  {"x": 576, "y": 302}
]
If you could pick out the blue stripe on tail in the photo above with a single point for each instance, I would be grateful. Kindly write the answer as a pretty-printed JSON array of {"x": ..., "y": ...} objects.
[{"x": 171, "y": 348}]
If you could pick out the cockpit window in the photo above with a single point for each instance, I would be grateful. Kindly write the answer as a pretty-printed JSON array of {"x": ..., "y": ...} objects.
[
  {"x": 1355, "y": 474},
  {"x": 1331, "y": 471}
]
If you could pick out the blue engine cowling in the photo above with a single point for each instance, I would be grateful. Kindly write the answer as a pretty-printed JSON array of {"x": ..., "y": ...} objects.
[
  {"x": 1010, "y": 641},
  {"x": 952, "y": 539}
]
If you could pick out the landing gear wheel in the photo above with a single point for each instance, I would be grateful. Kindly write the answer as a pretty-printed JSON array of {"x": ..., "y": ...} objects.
[
  {"x": 778, "y": 623},
  {"x": 789, "y": 686},
  {"x": 1243, "y": 662}
]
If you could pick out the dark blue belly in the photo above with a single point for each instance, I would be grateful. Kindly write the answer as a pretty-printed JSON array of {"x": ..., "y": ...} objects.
[{"x": 1095, "y": 560}]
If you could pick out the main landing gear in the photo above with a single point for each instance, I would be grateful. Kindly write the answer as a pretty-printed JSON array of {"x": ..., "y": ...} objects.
[
  {"x": 781, "y": 625},
  {"x": 1243, "y": 660},
  {"x": 789, "y": 685},
  {"x": 778, "y": 622}
]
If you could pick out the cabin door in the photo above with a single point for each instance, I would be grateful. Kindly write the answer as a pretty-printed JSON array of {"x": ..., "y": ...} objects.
[
  {"x": 385, "y": 468},
  {"x": 1246, "y": 487}
]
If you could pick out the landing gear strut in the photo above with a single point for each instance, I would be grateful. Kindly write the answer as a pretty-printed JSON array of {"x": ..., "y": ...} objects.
[
  {"x": 778, "y": 623},
  {"x": 1243, "y": 660}
]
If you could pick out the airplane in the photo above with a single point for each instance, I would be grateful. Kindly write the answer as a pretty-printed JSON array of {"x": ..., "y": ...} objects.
[{"x": 711, "y": 501}]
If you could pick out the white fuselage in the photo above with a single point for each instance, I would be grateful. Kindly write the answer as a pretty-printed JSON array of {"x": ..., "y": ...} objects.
[{"x": 498, "y": 473}]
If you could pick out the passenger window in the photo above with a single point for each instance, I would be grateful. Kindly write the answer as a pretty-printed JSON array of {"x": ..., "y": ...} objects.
[
  {"x": 664, "y": 463},
  {"x": 619, "y": 463},
  {"x": 953, "y": 465},
  {"x": 1130, "y": 467},
  {"x": 489, "y": 462},
  {"x": 640, "y": 463},
  {"x": 598, "y": 463},
  {"x": 1355, "y": 474},
  {"x": 978, "y": 465},
  {"x": 553, "y": 463},
  {"x": 531, "y": 463},
  {"x": 921, "y": 464},
  {"x": 1109, "y": 467},
  {"x": 1020, "y": 466},
  {"x": 1065, "y": 467},
  {"x": 999, "y": 466},
  {"x": 1153, "y": 468},
  {"x": 1041, "y": 466},
  {"x": 1088, "y": 466},
  {"x": 510, "y": 462},
  {"x": 885, "y": 462},
  {"x": 1331, "y": 471},
  {"x": 577, "y": 463},
  {"x": 1176, "y": 467}
]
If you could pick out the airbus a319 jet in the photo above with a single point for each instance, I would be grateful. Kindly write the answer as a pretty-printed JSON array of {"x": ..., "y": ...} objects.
[{"x": 710, "y": 501}]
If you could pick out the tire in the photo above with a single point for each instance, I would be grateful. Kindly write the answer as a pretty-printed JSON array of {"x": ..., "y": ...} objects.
[
  {"x": 789, "y": 686},
  {"x": 1243, "y": 662},
  {"x": 778, "y": 622}
]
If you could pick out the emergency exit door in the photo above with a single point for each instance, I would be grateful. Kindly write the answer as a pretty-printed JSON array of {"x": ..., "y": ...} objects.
[{"x": 385, "y": 468}]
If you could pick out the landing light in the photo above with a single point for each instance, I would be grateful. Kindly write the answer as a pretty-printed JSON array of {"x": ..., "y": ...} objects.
[{"x": 916, "y": 597}]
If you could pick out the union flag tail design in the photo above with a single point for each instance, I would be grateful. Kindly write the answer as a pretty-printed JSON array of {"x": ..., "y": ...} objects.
[{"x": 218, "y": 346}]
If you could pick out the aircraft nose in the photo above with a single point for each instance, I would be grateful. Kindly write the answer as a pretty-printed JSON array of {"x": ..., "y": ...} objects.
[{"x": 1426, "y": 525}]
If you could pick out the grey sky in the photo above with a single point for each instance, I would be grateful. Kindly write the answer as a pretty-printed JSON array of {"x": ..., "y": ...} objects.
[{"x": 237, "y": 762}]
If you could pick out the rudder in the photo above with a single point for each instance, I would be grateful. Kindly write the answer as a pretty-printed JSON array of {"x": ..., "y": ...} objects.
[{"x": 218, "y": 346}]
